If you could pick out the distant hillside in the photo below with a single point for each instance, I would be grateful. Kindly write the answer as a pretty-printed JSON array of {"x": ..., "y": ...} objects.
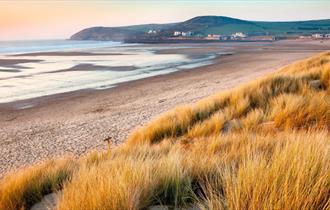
[
  {"x": 204, "y": 25},
  {"x": 225, "y": 25},
  {"x": 117, "y": 33},
  {"x": 216, "y": 25}
]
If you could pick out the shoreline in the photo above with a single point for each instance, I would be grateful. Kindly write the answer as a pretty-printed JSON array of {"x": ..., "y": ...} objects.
[
  {"x": 195, "y": 47},
  {"x": 187, "y": 61},
  {"x": 79, "y": 121},
  {"x": 45, "y": 99}
]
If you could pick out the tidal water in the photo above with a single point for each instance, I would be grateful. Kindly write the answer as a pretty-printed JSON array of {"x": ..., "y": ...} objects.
[{"x": 30, "y": 69}]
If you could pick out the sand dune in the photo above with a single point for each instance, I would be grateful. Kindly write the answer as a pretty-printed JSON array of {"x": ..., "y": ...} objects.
[{"x": 78, "y": 122}]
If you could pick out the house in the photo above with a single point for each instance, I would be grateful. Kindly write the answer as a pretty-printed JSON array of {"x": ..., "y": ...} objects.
[
  {"x": 239, "y": 35},
  {"x": 317, "y": 36},
  {"x": 213, "y": 37},
  {"x": 152, "y": 32},
  {"x": 327, "y": 36},
  {"x": 177, "y": 33},
  {"x": 187, "y": 34}
]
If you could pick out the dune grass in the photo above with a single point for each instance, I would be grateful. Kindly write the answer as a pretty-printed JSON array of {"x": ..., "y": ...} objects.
[
  {"x": 287, "y": 98},
  {"x": 234, "y": 171},
  {"x": 22, "y": 189},
  {"x": 263, "y": 145}
]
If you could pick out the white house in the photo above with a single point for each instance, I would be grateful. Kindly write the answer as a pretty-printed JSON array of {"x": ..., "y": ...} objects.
[
  {"x": 177, "y": 33},
  {"x": 213, "y": 37},
  {"x": 152, "y": 32},
  {"x": 189, "y": 33},
  {"x": 239, "y": 35},
  {"x": 317, "y": 36}
]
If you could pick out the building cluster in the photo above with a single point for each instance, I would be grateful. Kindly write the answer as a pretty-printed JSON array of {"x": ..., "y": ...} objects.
[
  {"x": 152, "y": 32},
  {"x": 235, "y": 36},
  {"x": 182, "y": 33},
  {"x": 316, "y": 36},
  {"x": 238, "y": 35},
  {"x": 188, "y": 35}
]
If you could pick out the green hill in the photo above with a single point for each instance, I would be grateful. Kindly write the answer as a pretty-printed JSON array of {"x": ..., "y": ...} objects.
[
  {"x": 204, "y": 25},
  {"x": 217, "y": 24}
]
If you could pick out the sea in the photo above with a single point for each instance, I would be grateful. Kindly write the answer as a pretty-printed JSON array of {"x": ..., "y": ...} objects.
[{"x": 30, "y": 69}]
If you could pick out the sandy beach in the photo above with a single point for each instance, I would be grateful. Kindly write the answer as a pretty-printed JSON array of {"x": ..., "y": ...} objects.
[{"x": 77, "y": 122}]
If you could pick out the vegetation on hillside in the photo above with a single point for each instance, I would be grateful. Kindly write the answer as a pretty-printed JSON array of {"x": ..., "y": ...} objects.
[
  {"x": 204, "y": 25},
  {"x": 263, "y": 145}
]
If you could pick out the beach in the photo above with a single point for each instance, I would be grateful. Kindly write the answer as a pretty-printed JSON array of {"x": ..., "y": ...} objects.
[{"x": 77, "y": 122}]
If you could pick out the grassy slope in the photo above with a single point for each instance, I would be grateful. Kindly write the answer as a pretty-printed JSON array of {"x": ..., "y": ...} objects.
[
  {"x": 263, "y": 145},
  {"x": 227, "y": 26},
  {"x": 213, "y": 24},
  {"x": 274, "y": 28}
]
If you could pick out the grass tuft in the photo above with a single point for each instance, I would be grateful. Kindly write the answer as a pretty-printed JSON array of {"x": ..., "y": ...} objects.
[{"x": 22, "y": 189}]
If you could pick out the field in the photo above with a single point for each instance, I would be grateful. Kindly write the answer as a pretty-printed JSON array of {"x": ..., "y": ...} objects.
[{"x": 262, "y": 145}]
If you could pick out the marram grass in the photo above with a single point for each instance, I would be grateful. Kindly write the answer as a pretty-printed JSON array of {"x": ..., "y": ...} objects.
[{"x": 263, "y": 145}]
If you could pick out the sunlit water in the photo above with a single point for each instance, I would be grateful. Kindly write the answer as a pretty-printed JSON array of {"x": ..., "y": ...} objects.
[{"x": 125, "y": 63}]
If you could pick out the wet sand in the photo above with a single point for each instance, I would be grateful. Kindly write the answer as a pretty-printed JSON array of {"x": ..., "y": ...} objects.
[
  {"x": 77, "y": 122},
  {"x": 14, "y": 63},
  {"x": 64, "y": 54},
  {"x": 78, "y": 67},
  {"x": 92, "y": 67}
]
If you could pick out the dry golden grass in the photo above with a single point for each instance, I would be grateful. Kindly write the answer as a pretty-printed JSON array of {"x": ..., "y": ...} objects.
[
  {"x": 237, "y": 171},
  {"x": 20, "y": 190},
  {"x": 264, "y": 145},
  {"x": 288, "y": 98}
]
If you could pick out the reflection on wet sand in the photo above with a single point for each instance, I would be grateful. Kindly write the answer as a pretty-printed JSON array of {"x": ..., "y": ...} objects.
[
  {"x": 92, "y": 67},
  {"x": 78, "y": 67},
  {"x": 10, "y": 70},
  {"x": 14, "y": 63},
  {"x": 65, "y": 54}
]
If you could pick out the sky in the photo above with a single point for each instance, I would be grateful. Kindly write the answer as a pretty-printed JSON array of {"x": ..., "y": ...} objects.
[{"x": 59, "y": 19}]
